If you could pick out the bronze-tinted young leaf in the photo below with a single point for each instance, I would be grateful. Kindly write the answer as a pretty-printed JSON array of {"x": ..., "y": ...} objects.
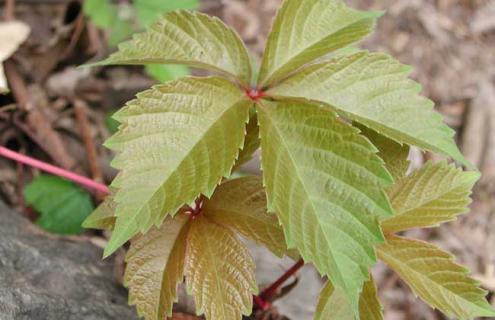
[
  {"x": 191, "y": 38},
  {"x": 304, "y": 31},
  {"x": 219, "y": 272},
  {"x": 175, "y": 142},
  {"x": 103, "y": 217},
  {"x": 155, "y": 266},
  {"x": 434, "y": 194},
  {"x": 333, "y": 304},
  {"x": 374, "y": 89},
  {"x": 325, "y": 183},
  {"x": 435, "y": 277},
  {"x": 241, "y": 204}
]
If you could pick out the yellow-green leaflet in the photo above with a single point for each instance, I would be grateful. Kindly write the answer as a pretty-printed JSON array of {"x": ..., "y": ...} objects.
[
  {"x": 304, "y": 31},
  {"x": 325, "y": 183},
  {"x": 333, "y": 304},
  {"x": 431, "y": 195},
  {"x": 374, "y": 89},
  {"x": 176, "y": 141},
  {"x": 435, "y": 277},
  {"x": 251, "y": 142},
  {"x": 241, "y": 204},
  {"x": 191, "y": 38},
  {"x": 155, "y": 266},
  {"x": 103, "y": 217}
]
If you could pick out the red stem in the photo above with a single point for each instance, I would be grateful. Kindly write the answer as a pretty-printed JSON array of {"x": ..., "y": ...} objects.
[
  {"x": 83, "y": 181},
  {"x": 269, "y": 292},
  {"x": 262, "y": 301}
]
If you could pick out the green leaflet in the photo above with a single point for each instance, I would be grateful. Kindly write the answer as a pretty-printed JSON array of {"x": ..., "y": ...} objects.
[
  {"x": 374, "y": 90},
  {"x": 190, "y": 38},
  {"x": 304, "y": 31},
  {"x": 175, "y": 142},
  {"x": 394, "y": 154},
  {"x": 240, "y": 204},
  {"x": 333, "y": 304},
  {"x": 103, "y": 218},
  {"x": 432, "y": 275},
  {"x": 251, "y": 142},
  {"x": 325, "y": 183},
  {"x": 62, "y": 205},
  {"x": 431, "y": 195}
]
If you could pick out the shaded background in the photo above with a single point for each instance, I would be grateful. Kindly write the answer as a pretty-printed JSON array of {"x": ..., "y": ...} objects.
[{"x": 451, "y": 45}]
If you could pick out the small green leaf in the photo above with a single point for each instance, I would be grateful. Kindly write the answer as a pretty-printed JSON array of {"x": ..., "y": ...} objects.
[
  {"x": 189, "y": 38},
  {"x": 436, "y": 278},
  {"x": 240, "y": 204},
  {"x": 374, "y": 89},
  {"x": 325, "y": 183},
  {"x": 103, "y": 218},
  {"x": 304, "y": 31},
  {"x": 101, "y": 12},
  {"x": 149, "y": 10},
  {"x": 120, "y": 30},
  {"x": 333, "y": 304},
  {"x": 62, "y": 205},
  {"x": 434, "y": 194},
  {"x": 164, "y": 73},
  {"x": 176, "y": 141},
  {"x": 111, "y": 124}
]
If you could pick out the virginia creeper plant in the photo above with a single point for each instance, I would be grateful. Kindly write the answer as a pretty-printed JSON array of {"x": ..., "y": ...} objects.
[{"x": 334, "y": 124}]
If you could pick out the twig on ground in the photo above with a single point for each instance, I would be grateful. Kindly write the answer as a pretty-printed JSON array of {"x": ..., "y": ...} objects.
[
  {"x": 44, "y": 134},
  {"x": 80, "y": 109}
]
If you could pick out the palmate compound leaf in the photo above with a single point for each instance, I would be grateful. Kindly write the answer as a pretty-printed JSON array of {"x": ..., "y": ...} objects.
[
  {"x": 374, "y": 89},
  {"x": 333, "y": 304},
  {"x": 175, "y": 142},
  {"x": 325, "y": 183},
  {"x": 304, "y": 31},
  {"x": 218, "y": 269},
  {"x": 433, "y": 194},
  {"x": 190, "y": 38},
  {"x": 435, "y": 277}
]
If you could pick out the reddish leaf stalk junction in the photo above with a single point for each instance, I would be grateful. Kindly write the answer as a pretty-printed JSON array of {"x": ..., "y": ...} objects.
[
  {"x": 262, "y": 301},
  {"x": 254, "y": 94}
]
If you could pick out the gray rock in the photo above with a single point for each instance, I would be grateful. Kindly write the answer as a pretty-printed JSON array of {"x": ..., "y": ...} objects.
[{"x": 51, "y": 278}]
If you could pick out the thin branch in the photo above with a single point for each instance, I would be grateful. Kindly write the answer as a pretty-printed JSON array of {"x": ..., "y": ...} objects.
[
  {"x": 266, "y": 295},
  {"x": 80, "y": 109},
  {"x": 83, "y": 181}
]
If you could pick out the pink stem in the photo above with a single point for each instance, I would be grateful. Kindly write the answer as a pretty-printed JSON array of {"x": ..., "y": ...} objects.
[{"x": 83, "y": 181}]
